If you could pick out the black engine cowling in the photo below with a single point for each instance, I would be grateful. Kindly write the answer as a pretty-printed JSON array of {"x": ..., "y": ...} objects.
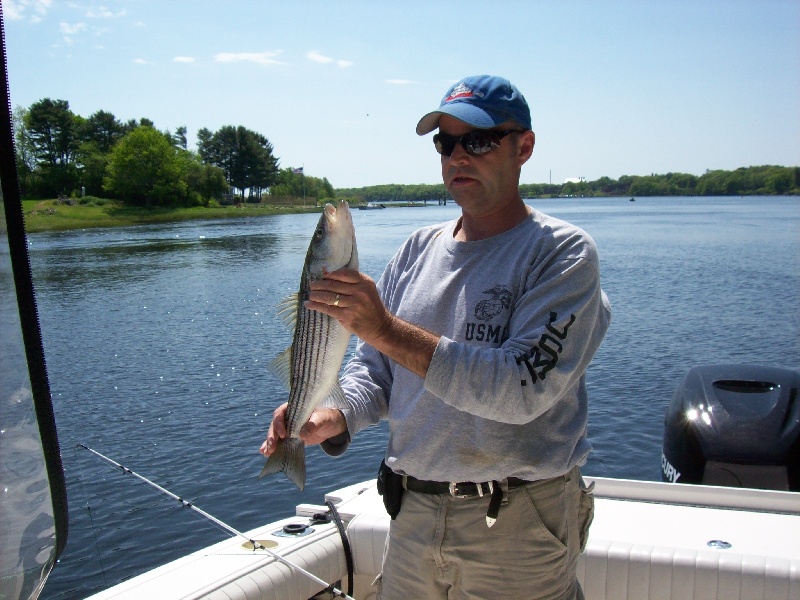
[{"x": 736, "y": 426}]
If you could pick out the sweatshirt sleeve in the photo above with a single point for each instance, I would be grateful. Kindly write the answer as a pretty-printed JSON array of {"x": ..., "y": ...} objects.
[{"x": 556, "y": 326}]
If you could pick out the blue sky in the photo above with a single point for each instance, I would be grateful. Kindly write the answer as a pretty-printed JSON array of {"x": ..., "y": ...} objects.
[{"x": 615, "y": 88}]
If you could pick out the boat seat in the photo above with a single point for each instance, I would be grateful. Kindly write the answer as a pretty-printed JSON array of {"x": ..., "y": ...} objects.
[{"x": 650, "y": 551}]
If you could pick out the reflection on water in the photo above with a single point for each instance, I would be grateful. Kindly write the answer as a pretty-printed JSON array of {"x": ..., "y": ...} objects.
[{"x": 157, "y": 340}]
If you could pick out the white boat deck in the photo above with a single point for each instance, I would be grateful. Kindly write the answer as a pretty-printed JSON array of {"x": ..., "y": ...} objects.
[{"x": 648, "y": 541}]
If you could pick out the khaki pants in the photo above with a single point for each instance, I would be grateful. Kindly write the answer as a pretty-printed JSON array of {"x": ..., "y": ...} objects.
[{"x": 439, "y": 547}]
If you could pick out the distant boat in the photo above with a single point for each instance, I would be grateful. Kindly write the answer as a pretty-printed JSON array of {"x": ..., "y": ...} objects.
[
  {"x": 632, "y": 199},
  {"x": 371, "y": 206}
]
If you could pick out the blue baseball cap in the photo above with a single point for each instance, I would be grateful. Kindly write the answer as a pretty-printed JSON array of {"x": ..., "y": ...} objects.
[{"x": 482, "y": 101}]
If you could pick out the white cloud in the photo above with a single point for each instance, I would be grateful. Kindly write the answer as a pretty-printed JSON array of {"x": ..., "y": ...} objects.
[
  {"x": 261, "y": 58},
  {"x": 103, "y": 12},
  {"x": 139, "y": 61},
  {"x": 68, "y": 29},
  {"x": 316, "y": 56},
  {"x": 71, "y": 30},
  {"x": 183, "y": 59},
  {"x": 400, "y": 81},
  {"x": 15, "y": 10}
]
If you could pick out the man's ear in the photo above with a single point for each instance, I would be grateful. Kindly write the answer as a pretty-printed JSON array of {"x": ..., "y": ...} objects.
[{"x": 527, "y": 142}]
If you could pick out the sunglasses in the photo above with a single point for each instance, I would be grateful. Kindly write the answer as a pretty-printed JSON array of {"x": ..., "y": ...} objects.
[{"x": 475, "y": 142}]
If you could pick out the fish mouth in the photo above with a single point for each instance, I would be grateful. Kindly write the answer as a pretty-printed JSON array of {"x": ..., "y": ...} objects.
[{"x": 338, "y": 213}]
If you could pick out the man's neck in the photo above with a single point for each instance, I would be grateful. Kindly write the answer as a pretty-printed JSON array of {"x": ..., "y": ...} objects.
[{"x": 471, "y": 228}]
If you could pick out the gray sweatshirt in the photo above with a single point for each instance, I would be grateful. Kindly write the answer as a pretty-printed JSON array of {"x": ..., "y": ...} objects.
[{"x": 520, "y": 314}]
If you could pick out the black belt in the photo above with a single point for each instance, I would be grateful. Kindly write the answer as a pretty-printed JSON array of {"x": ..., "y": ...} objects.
[
  {"x": 466, "y": 489},
  {"x": 463, "y": 489}
]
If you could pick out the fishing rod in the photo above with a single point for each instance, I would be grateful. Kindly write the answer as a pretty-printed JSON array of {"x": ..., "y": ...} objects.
[{"x": 256, "y": 546}]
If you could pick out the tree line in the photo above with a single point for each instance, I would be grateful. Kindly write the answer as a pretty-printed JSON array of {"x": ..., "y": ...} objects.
[
  {"x": 756, "y": 181},
  {"x": 62, "y": 154},
  {"x": 767, "y": 180}
]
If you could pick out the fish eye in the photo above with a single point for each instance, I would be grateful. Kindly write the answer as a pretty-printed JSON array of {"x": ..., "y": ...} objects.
[{"x": 319, "y": 232}]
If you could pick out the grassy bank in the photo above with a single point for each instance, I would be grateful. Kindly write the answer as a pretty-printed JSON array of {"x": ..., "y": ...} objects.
[{"x": 52, "y": 215}]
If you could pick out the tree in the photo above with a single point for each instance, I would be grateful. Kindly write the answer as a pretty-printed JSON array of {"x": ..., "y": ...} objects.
[
  {"x": 144, "y": 169},
  {"x": 779, "y": 180},
  {"x": 263, "y": 166},
  {"x": 103, "y": 129},
  {"x": 96, "y": 137},
  {"x": 289, "y": 184},
  {"x": 246, "y": 157},
  {"x": 648, "y": 186},
  {"x": 710, "y": 183},
  {"x": 25, "y": 156},
  {"x": 203, "y": 179},
  {"x": 51, "y": 127},
  {"x": 92, "y": 164},
  {"x": 179, "y": 139}
]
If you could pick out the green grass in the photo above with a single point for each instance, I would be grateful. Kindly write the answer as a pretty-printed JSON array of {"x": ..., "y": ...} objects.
[{"x": 52, "y": 215}]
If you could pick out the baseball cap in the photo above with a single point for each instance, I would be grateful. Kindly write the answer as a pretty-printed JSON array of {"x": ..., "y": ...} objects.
[{"x": 483, "y": 101}]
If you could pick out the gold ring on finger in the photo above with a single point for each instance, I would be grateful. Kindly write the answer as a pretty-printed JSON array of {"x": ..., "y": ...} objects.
[{"x": 336, "y": 301}]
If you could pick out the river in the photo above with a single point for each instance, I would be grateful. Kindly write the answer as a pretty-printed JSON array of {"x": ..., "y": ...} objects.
[{"x": 157, "y": 340}]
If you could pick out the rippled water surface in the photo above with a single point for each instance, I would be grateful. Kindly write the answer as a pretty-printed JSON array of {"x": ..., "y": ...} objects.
[{"x": 157, "y": 340}]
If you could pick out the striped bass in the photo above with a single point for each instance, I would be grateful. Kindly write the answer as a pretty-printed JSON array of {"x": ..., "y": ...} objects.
[{"x": 309, "y": 368}]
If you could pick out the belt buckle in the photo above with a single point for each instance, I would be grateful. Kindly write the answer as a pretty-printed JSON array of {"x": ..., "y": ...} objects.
[
  {"x": 453, "y": 487},
  {"x": 454, "y": 491}
]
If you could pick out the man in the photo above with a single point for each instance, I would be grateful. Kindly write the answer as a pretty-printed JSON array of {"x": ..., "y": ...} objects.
[{"x": 474, "y": 345}]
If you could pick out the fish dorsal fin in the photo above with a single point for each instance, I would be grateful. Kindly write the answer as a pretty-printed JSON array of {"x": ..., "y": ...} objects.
[
  {"x": 287, "y": 310},
  {"x": 281, "y": 367}
]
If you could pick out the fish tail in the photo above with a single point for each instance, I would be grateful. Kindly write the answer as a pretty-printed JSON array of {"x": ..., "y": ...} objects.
[{"x": 289, "y": 457}]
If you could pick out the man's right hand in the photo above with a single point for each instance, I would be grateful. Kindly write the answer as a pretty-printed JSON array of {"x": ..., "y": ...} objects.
[{"x": 323, "y": 424}]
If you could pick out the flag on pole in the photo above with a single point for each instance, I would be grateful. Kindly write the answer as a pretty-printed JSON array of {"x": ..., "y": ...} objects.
[{"x": 298, "y": 171}]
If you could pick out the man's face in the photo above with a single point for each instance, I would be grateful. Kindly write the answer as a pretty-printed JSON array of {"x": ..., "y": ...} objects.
[{"x": 484, "y": 183}]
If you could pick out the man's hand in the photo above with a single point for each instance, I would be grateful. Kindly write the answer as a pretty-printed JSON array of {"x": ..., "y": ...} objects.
[
  {"x": 323, "y": 424},
  {"x": 352, "y": 299}
]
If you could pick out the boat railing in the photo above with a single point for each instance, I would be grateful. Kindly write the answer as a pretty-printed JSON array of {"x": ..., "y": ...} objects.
[{"x": 697, "y": 495}]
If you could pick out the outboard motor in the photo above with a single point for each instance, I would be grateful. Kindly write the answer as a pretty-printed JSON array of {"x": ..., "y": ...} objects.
[{"x": 736, "y": 426}]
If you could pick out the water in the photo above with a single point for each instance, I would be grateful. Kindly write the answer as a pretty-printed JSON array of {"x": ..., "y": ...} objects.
[{"x": 157, "y": 340}]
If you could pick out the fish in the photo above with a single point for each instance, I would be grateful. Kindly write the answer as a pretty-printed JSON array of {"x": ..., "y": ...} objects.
[{"x": 310, "y": 366}]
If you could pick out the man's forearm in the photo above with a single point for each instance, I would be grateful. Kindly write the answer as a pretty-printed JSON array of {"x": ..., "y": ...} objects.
[{"x": 406, "y": 344}]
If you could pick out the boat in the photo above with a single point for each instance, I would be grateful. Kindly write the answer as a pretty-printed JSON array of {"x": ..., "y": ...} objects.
[
  {"x": 648, "y": 540},
  {"x": 371, "y": 206},
  {"x": 663, "y": 539}
]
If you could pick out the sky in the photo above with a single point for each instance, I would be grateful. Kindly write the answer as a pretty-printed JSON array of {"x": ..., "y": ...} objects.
[{"x": 615, "y": 87}]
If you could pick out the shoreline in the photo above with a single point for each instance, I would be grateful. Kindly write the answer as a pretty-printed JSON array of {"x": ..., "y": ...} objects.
[{"x": 53, "y": 215}]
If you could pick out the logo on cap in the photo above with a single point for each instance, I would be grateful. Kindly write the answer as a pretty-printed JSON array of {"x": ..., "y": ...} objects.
[{"x": 460, "y": 91}]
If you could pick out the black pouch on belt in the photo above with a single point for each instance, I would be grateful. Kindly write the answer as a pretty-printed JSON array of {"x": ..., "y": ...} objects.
[{"x": 390, "y": 486}]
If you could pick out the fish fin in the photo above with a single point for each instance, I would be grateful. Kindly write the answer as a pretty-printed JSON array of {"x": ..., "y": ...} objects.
[
  {"x": 335, "y": 398},
  {"x": 290, "y": 458},
  {"x": 287, "y": 310},
  {"x": 281, "y": 367}
]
